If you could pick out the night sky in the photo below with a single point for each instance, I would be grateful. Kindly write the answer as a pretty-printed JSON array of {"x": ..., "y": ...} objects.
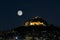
[{"x": 48, "y": 10}]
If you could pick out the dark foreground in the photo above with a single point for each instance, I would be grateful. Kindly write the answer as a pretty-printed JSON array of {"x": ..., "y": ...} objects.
[{"x": 32, "y": 33}]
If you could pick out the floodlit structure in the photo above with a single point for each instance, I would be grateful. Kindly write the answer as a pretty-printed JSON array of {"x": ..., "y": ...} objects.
[{"x": 35, "y": 21}]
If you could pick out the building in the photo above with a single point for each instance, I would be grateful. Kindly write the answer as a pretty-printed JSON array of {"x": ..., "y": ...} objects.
[{"x": 36, "y": 21}]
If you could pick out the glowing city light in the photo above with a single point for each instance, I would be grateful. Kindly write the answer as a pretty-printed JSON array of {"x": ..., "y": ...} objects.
[{"x": 16, "y": 37}]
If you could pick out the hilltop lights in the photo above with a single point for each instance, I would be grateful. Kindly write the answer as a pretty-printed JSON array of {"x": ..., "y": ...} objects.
[{"x": 36, "y": 21}]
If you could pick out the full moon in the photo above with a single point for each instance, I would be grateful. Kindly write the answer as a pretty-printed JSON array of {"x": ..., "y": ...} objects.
[{"x": 19, "y": 13}]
